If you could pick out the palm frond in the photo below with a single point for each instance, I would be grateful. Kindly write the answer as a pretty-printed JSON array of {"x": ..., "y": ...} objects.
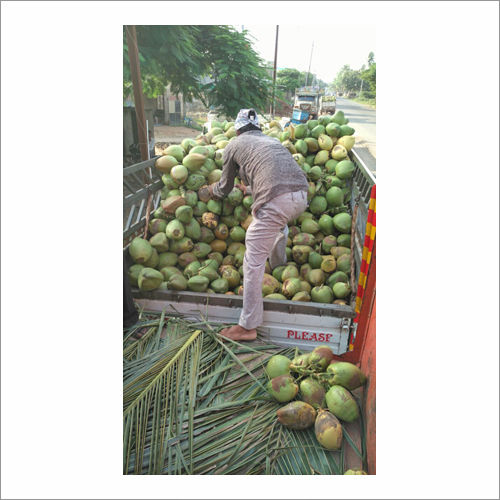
[{"x": 196, "y": 405}]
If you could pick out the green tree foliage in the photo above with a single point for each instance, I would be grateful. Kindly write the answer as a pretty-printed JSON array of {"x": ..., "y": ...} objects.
[
  {"x": 187, "y": 56},
  {"x": 370, "y": 75},
  {"x": 289, "y": 79},
  {"x": 239, "y": 79},
  {"x": 347, "y": 79}
]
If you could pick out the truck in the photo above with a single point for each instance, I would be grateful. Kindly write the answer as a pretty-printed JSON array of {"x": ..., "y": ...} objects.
[
  {"x": 306, "y": 104},
  {"x": 350, "y": 333},
  {"x": 327, "y": 105}
]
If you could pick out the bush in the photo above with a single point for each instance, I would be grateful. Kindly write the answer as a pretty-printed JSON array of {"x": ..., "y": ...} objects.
[{"x": 366, "y": 94}]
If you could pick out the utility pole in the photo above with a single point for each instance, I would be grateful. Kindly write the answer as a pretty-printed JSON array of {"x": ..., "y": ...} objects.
[
  {"x": 310, "y": 59},
  {"x": 135, "y": 72},
  {"x": 274, "y": 72}
]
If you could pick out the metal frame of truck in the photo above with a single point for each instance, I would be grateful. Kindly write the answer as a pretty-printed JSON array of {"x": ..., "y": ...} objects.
[{"x": 302, "y": 324}]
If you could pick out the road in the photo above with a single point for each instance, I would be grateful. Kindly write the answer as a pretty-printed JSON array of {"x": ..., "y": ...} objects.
[{"x": 362, "y": 119}]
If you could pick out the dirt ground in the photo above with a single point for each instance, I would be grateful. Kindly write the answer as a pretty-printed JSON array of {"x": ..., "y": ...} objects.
[{"x": 165, "y": 135}]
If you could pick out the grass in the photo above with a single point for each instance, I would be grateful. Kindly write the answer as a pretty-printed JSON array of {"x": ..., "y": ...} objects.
[{"x": 365, "y": 101}]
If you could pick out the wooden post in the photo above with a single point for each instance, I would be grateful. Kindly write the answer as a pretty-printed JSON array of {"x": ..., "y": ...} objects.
[
  {"x": 274, "y": 72},
  {"x": 135, "y": 72}
]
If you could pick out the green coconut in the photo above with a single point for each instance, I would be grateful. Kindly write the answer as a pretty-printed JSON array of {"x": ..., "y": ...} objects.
[
  {"x": 322, "y": 294},
  {"x": 140, "y": 250},
  {"x": 282, "y": 388},
  {"x": 149, "y": 279},
  {"x": 341, "y": 290},
  {"x": 341, "y": 403},
  {"x": 346, "y": 374},
  {"x": 133, "y": 273},
  {"x": 278, "y": 365},
  {"x": 328, "y": 430},
  {"x": 312, "y": 392},
  {"x": 220, "y": 285}
]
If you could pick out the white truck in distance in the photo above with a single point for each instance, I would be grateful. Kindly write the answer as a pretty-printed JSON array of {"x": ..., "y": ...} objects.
[
  {"x": 327, "y": 105},
  {"x": 307, "y": 99}
]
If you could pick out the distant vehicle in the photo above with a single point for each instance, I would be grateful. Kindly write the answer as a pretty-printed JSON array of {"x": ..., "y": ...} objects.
[
  {"x": 351, "y": 95},
  {"x": 327, "y": 104},
  {"x": 340, "y": 94},
  {"x": 306, "y": 104}
]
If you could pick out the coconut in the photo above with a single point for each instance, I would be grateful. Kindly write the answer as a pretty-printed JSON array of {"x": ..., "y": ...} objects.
[
  {"x": 302, "y": 296},
  {"x": 140, "y": 250},
  {"x": 341, "y": 403},
  {"x": 297, "y": 415},
  {"x": 237, "y": 234},
  {"x": 345, "y": 374},
  {"x": 180, "y": 246},
  {"x": 321, "y": 357},
  {"x": 355, "y": 472},
  {"x": 192, "y": 229},
  {"x": 275, "y": 296},
  {"x": 278, "y": 365},
  {"x": 322, "y": 294},
  {"x": 312, "y": 392},
  {"x": 175, "y": 230},
  {"x": 282, "y": 388},
  {"x": 269, "y": 284},
  {"x": 328, "y": 430},
  {"x": 149, "y": 279},
  {"x": 192, "y": 269},
  {"x": 133, "y": 273},
  {"x": 169, "y": 271},
  {"x": 177, "y": 282},
  {"x": 186, "y": 258},
  {"x": 232, "y": 276},
  {"x": 153, "y": 260},
  {"x": 328, "y": 243},
  {"x": 288, "y": 272},
  {"x": 210, "y": 220},
  {"x": 316, "y": 277},
  {"x": 209, "y": 272},
  {"x": 328, "y": 264},
  {"x": 341, "y": 290},
  {"x": 220, "y": 285},
  {"x": 157, "y": 226},
  {"x": 301, "y": 253},
  {"x": 291, "y": 287},
  {"x": 201, "y": 250},
  {"x": 198, "y": 283},
  {"x": 159, "y": 242},
  {"x": 278, "y": 272},
  {"x": 344, "y": 263},
  {"x": 336, "y": 277}
]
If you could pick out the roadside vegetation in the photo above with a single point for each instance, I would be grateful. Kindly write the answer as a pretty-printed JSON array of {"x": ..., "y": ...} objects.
[{"x": 359, "y": 85}]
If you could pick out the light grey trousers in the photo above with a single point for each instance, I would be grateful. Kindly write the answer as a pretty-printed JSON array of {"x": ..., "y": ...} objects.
[{"x": 266, "y": 237}]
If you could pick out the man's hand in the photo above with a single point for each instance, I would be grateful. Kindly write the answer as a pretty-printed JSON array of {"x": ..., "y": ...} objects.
[
  {"x": 241, "y": 187},
  {"x": 206, "y": 193}
]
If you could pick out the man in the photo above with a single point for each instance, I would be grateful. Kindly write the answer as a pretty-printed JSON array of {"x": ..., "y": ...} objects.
[{"x": 279, "y": 190}]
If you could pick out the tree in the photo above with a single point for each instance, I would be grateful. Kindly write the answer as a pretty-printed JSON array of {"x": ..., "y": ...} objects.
[
  {"x": 347, "y": 79},
  {"x": 239, "y": 78},
  {"x": 289, "y": 79},
  {"x": 370, "y": 75},
  {"x": 183, "y": 56}
]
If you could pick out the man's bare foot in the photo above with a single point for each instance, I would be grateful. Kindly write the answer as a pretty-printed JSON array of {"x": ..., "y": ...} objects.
[{"x": 237, "y": 332}]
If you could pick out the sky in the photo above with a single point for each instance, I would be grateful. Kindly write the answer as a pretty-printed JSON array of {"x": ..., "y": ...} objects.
[{"x": 334, "y": 46}]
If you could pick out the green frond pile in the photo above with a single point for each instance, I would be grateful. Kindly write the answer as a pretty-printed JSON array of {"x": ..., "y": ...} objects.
[{"x": 196, "y": 405}]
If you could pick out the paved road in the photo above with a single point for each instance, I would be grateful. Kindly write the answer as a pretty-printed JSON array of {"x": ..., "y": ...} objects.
[{"x": 362, "y": 119}]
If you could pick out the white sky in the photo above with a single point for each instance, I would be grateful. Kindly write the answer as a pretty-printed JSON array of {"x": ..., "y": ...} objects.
[{"x": 334, "y": 46}]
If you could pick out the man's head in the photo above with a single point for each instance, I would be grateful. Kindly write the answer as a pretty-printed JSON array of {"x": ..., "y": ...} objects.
[{"x": 246, "y": 120}]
